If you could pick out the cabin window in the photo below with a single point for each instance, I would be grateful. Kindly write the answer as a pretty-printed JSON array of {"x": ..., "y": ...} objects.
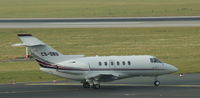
[
  {"x": 105, "y": 63},
  {"x": 118, "y": 63},
  {"x": 111, "y": 63},
  {"x": 129, "y": 63},
  {"x": 100, "y": 64},
  {"x": 123, "y": 63}
]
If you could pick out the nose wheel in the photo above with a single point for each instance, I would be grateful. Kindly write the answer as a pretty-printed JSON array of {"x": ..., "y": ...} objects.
[{"x": 156, "y": 82}]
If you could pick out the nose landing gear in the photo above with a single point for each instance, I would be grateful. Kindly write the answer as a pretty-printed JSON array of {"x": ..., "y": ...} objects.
[{"x": 156, "y": 82}]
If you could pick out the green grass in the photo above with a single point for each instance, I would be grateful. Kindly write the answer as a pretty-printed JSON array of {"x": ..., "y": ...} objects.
[
  {"x": 178, "y": 46},
  {"x": 26, "y": 76},
  {"x": 23, "y": 72},
  {"x": 97, "y": 8}
]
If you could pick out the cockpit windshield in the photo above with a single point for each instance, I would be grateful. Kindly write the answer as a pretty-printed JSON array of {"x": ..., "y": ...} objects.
[{"x": 155, "y": 60}]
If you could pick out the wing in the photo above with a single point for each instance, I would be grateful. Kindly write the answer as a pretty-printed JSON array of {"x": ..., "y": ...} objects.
[{"x": 104, "y": 77}]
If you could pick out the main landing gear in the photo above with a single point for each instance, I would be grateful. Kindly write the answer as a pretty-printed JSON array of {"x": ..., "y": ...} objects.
[
  {"x": 86, "y": 85},
  {"x": 156, "y": 82},
  {"x": 94, "y": 85}
]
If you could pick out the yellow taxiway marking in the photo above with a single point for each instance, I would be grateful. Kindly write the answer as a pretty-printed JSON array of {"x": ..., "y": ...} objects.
[
  {"x": 54, "y": 84},
  {"x": 35, "y": 91},
  {"x": 184, "y": 85},
  {"x": 13, "y": 92},
  {"x": 113, "y": 84}
]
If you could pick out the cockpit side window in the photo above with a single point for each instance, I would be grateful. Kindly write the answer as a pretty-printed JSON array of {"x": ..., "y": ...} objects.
[{"x": 155, "y": 60}]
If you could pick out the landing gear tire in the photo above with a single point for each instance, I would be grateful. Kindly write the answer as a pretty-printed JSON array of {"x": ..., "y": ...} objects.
[
  {"x": 86, "y": 85},
  {"x": 156, "y": 83},
  {"x": 96, "y": 86}
]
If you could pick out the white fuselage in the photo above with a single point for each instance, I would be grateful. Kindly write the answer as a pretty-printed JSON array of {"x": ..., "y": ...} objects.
[
  {"x": 121, "y": 67},
  {"x": 93, "y": 70}
]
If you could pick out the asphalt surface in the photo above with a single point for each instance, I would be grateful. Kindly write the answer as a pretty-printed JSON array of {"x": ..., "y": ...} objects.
[
  {"x": 172, "y": 86},
  {"x": 176, "y": 21}
]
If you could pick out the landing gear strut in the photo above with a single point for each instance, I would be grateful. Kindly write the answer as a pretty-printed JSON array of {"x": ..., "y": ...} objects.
[
  {"x": 86, "y": 85},
  {"x": 156, "y": 82}
]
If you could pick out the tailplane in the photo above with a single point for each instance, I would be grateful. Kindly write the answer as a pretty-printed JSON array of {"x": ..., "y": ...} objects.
[{"x": 43, "y": 52}]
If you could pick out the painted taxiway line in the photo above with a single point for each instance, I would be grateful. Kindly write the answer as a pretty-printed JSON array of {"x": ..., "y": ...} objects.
[
  {"x": 92, "y": 23},
  {"x": 14, "y": 92},
  {"x": 79, "y": 84},
  {"x": 35, "y": 91}
]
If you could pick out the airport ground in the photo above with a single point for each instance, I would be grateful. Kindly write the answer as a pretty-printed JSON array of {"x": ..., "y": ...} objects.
[
  {"x": 122, "y": 22},
  {"x": 97, "y": 8},
  {"x": 172, "y": 86},
  {"x": 178, "y": 46}
]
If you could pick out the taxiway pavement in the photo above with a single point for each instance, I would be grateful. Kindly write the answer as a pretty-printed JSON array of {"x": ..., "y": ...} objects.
[
  {"x": 172, "y": 86},
  {"x": 175, "y": 21}
]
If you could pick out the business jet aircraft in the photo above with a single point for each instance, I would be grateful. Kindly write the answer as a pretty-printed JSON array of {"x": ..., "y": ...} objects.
[{"x": 96, "y": 69}]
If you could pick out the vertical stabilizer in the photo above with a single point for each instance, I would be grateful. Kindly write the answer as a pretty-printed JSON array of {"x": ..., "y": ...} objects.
[{"x": 40, "y": 50}]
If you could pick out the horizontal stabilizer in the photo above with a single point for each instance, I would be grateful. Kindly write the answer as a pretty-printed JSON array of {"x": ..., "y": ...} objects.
[
  {"x": 43, "y": 52},
  {"x": 29, "y": 40}
]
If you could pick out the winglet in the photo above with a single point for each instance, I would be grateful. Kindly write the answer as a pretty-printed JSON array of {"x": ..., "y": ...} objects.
[{"x": 24, "y": 35}]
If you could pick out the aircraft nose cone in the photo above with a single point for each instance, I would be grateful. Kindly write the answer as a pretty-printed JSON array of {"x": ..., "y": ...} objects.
[{"x": 172, "y": 68}]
